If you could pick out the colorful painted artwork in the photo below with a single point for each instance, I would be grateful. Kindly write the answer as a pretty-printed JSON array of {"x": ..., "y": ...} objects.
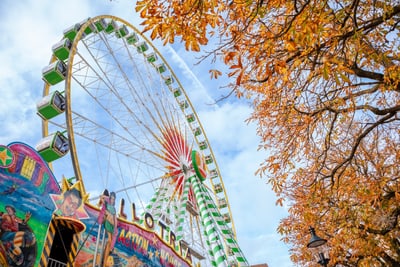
[
  {"x": 70, "y": 203},
  {"x": 32, "y": 203},
  {"x": 25, "y": 204},
  {"x": 129, "y": 244}
]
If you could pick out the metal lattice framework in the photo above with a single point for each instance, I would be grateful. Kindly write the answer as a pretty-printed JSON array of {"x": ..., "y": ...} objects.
[{"x": 132, "y": 129}]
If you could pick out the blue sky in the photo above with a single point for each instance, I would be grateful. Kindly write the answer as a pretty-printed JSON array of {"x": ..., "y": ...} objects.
[{"x": 30, "y": 28}]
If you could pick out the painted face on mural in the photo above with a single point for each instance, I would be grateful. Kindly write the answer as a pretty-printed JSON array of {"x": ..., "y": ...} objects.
[
  {"x": 112, "y": 199},
  {"x": 10, "y": 210},
  {"x": 70, "y": 204}
]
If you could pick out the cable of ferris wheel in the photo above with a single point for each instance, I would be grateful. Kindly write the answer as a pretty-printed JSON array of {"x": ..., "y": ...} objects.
[{"x": 132, "y": 186}]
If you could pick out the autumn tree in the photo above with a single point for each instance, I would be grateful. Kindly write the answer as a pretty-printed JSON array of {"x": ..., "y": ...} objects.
[{"x": 325, "y": 79}]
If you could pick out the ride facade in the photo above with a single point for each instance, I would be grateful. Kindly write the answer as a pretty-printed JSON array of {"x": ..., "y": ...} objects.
[
  {"x": 43, "y": 224},
  {"x": 126, "y": 177}
]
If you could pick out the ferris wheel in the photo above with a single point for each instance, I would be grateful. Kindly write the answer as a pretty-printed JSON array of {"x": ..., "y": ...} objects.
[{"x": 129, "y": 127}]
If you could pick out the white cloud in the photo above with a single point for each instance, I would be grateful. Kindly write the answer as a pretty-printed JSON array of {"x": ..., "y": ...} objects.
[
  {"x": 252, "y": 201},
  {"x": 226, "y": 126},
  {"x": 269, "y": 247}
]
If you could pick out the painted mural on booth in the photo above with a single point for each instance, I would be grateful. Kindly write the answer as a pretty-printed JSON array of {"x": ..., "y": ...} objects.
[
  {"x": 30, "y": 197},
  {"x": 25, "y": 205},
  {"x": 126, "y": 243}
]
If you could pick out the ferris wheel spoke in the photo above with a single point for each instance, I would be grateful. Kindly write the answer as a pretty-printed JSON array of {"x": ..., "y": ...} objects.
[
  {"x": 122, "y": 72},
  {"x": 120, "y": 123},
  {"x": 98, "y": 134},
  {"x": 155, "y": 107},
  {"x": 108, "y": 87}
]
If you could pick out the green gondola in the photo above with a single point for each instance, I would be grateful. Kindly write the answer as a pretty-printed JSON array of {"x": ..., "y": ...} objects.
[
  {"x": 55, "y": 72},
  {"x": 177, "y": 92},
  {"x": 184, "y": 104},
  {"x": 142, "y": 47},
  {"x": 222, "y": 203},
  {"x": 132, "y": 38},
  {"x": 197, "y": 131},
  {"x": 190, "y": 118},
  {"x": 111, "y": 26},
  {"x": 227, "y": 218},
  {"x": 53, "y": 146},
  {"x": 161, "y": 68},
  {"x": 71, "y": 32},
  {"x": 51, "y": 105},
  {"x": 218, "y": 188},
  {"x": 62, "y": 48},
  {"x": 203, "y": 145},
  {"x": 213, "y": 173},
  {"x": 101, "y": 24},
  {"x": 209, "y": 159},
  {"x": 168, "y": 80},
  {"x": 89, "y": 29},
  {"x": 152, "y": 57},
  {"x": 121, "y": 31}
]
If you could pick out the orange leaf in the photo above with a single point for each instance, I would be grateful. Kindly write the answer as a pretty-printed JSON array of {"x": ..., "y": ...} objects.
[{"x": 215, "y": 73}]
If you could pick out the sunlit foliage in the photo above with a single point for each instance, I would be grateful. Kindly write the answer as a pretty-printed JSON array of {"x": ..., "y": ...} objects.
[{"x": 325, "y": 77}]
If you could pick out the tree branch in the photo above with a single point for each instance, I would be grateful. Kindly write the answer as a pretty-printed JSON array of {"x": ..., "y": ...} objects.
[{"x": 357, "y": 143}]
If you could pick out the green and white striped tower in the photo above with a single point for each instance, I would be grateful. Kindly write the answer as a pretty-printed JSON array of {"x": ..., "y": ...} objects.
[{"x": 216, "y": 248}]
